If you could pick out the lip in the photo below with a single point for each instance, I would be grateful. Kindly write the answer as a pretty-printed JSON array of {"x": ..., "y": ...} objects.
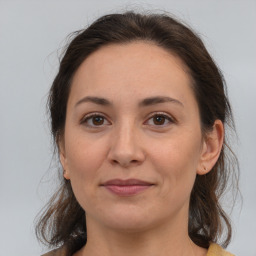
[{"x": 128, "y": 187}]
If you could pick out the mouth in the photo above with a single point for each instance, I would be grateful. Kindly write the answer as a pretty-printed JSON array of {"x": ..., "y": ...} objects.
[{"x": 128, "y": 187}]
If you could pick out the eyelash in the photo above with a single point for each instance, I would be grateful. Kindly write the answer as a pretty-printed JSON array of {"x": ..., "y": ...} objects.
[
  {"x": 88, "y": 117},
  {"x": 153, "y": 115},
  {"x": 162, "y": 115}
]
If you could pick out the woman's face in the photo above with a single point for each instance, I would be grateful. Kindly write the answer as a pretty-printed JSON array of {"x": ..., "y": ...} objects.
[{"x": 132, "y": 144}]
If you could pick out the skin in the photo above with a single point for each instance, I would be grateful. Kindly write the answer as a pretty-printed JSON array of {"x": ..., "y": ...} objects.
[{"x": 160, "y": 143}]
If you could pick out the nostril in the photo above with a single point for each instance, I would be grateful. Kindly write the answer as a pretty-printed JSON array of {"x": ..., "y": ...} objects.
[
  {"x": 114, "y": 161},
  {"x": 124, "y": 163},
  {"x": 125, "y": 154}
]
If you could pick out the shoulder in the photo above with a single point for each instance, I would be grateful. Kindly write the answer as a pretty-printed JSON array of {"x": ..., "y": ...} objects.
[
  {"x": 216, "y": 250},
  {"x": 57, "y": 252}
]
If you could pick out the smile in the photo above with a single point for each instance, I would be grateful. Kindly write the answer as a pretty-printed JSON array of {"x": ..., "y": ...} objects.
[{"x": 126, "y": 187}]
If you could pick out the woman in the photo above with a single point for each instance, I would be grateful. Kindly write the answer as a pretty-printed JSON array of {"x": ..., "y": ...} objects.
[{"x": 138, "y": 113}]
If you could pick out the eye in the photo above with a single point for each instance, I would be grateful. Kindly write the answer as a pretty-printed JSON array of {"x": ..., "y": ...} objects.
[
  {"x": 160, "y": 119},
  {"x": 95, "y": 120}
]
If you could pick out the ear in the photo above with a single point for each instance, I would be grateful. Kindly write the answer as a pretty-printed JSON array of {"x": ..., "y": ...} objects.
[
  {"x": 63, "y": 159},
  {"x": 211, "y": 149}
]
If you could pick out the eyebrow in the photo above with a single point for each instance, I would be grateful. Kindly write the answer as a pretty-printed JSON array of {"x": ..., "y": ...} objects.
[
  {"x": 96, "y": 100},
  {"x": 145, "y": 102},
  {"x": 158, "y": 99}
]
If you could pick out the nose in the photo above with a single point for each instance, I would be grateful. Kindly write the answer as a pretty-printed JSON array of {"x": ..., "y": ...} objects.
[{"x": 125, "y": 147}]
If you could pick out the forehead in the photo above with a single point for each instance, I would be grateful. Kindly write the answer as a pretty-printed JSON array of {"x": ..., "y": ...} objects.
[{"x": 129, "y": 70}]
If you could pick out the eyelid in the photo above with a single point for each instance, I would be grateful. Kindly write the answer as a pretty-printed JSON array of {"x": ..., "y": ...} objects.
[
  {"x": 169, "y": 117},
  {"x": 93, "y": 114}
]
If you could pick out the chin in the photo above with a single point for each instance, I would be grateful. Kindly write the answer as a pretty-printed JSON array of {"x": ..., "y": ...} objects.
[{"x": 127, "y": 219}]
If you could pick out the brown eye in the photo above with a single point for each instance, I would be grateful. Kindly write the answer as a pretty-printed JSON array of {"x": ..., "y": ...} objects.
[
  {"x": 95, "y": 120},
  {"x": 159, "y": 120}
]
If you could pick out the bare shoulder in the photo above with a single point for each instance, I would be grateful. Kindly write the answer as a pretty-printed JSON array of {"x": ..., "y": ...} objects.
[{"x": 216, "y": 250}]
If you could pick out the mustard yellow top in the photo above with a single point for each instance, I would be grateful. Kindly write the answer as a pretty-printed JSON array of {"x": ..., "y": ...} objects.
[{"x": 214, "y": 250}]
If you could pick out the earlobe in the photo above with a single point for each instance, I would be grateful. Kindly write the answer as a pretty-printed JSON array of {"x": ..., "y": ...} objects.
[
  {"x": 211, "y": 149},
  {"x": 202, "y": 170},
  {"x": 66, "y": 175},
  {"x": 63, "y": 160}
]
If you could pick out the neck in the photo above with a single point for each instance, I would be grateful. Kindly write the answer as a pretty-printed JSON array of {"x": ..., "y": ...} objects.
[{"x": 163, "y": 240}]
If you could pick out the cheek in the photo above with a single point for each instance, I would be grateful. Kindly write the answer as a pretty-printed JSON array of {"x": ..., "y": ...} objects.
[
  {"x": 84, "y": 155},
  {"x": 84, "y": 159},
  {"x": 176, "y": 160},
  {"x": 177, "y": 151},
  {"x": 83, "y": 162}
]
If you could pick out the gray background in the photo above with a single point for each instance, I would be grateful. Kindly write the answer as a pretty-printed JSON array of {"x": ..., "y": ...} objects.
[{"x": 31, "y": 35}]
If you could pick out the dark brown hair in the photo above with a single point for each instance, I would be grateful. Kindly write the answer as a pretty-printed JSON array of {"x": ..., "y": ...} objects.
[{"x": 63, "y": 221}]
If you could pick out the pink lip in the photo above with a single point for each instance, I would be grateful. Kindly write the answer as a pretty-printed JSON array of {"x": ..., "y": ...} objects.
[{"x": 126, "y": 187}]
